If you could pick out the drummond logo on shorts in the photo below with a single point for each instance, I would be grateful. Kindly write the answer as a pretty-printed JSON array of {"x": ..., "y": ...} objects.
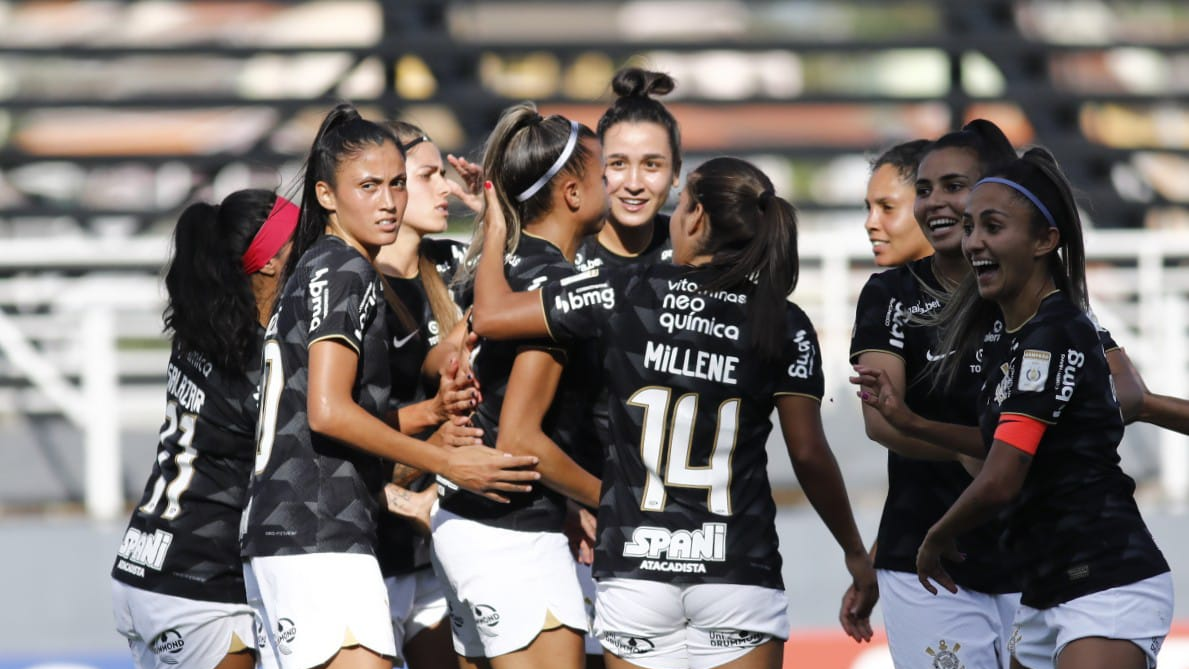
[
  {"x": 624, "y": 644},
  {"x": 486, "y": 616},
  {"x": 736, "y": 638},
  {"x": 168, "y": 645},
  {"x": 286, "y": 634}
]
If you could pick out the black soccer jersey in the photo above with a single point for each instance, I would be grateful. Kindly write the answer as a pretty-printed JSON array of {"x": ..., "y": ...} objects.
[
  {"x": 310, "y": 493},
  {"x": 921, "y": 491},
  {"x": 409, "y": 349},
  {"x": 399, "y": 549},
  {"x": 685, "y": 496},
  {"x": 535, "y": 263},
  {"x": 593, "y": 255},
  {"x": 1075, "y": 522},
  {"x": 183, "y": 539}
]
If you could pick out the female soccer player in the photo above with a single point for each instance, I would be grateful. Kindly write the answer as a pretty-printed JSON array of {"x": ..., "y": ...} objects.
[
  {"x": 1096, "y": 590},
  {"x": 416, "y": 270},
  {"x": 641, "y": 164},
  {"x": 178, "y": 584},
  {"x": 697, "y": 354},
  {"x": 924, "y": 480},
  {"x": 309, "y": 530},
  {"x": 521, "y": 604}
]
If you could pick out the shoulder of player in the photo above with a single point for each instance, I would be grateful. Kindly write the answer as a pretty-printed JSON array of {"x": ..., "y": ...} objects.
[
  {"x": 443, "y": 249},
  {"x": 334, "y": 255}
]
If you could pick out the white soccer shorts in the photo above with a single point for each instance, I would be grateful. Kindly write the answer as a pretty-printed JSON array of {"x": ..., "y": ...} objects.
[
  {"x": 1140, "y": 613},
  {"x": 315, "y": 604},
  {"x": 665, "y": 626},
  {"x": 502, "y": 584},
  {"x": 164, "y": 631},
  {"x": 970, "y": 628}
]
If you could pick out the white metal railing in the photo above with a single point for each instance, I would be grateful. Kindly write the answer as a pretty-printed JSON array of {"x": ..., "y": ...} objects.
[{"x": 61, "y": 333}]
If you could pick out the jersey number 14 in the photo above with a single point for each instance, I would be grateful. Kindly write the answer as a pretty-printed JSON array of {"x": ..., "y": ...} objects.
[{"x": 675, "y": 470}]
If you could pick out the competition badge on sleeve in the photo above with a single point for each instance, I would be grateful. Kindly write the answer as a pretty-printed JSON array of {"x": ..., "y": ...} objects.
[{"x": 1034, "y": 370}]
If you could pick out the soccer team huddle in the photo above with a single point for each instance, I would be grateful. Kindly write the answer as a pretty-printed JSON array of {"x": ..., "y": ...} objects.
[{"x": 547, "y": 448}]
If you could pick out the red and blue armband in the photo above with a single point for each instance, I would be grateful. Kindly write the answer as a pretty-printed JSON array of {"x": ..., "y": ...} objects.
[{"x": 1019, "y": 431}]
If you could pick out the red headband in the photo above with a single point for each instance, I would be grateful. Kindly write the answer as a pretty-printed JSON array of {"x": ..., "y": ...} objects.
[{"x": 272, "y": 235}]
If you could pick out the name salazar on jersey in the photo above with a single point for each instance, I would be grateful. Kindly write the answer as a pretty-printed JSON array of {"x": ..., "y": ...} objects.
[
  {"x": 139, "y": 550},
  {"x": 680, "y": 551}
]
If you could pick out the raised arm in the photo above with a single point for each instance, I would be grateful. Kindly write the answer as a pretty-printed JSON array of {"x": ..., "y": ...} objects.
[
  {"x": 531, "y": 389},
  {"x": 334, "y": 413},
  {"x": 499, "y": 312},
  {"x": 877, "y": 391},
  {"x": 880, "y": 430}
]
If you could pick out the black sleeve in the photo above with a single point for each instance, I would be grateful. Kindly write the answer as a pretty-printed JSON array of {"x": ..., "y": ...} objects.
[
  {"x": 342, "y": 301},
  {"x": 801, "y": 372},
  {"x": 579, "y": 306},
  {"x": 880, "y": 320}
]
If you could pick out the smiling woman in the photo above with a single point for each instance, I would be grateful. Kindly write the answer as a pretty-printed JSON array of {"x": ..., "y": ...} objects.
[
  {"x": 1096, "y": 590},
  {"x": 310, "y": 526}
]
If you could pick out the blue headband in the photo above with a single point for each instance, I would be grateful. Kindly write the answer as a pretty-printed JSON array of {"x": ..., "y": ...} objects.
[
  {"x": 1044, "y": 211},
  {"x": 555, "y": 167}
]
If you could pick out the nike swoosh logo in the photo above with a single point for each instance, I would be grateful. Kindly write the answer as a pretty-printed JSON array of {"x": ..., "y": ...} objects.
[
  {"x": 934, "y": 358},
  {"x": 398, "y": 343}
]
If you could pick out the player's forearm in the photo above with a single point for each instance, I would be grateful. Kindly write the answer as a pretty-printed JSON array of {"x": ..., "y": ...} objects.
[
  {"x": 879, "y": 431},
  {"x": 962, "y": 439},
  {"x": 558, "y": 470},
  {"x": 421, "y": 416},
  {"x": 350, "y": 424},
  {"x": 1170, "y": 413},
  {"x": 822, "y": 482}
]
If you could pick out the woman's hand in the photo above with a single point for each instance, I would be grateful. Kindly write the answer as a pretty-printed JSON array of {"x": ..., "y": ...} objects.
[
  {"x": 580, "y": 530},
  {"x": 458, "y": 393},
  {"x": 929, "y": 566},
  {"x": 486, "y": 471},
  {"x": 857, "y": 628},
  {"x": 859, "y": 598},
  {"x": 459, "y": 431},
  {"x": 412, "y": 506},
  {"x": 471, "y": 190},
  {"x": 878, "y": 392}
]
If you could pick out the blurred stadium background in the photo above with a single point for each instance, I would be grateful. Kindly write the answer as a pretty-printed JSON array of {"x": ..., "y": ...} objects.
[{"x": 114, "y": 115}]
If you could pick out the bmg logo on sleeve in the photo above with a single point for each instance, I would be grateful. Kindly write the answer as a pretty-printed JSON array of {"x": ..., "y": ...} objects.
[{"x": 598, "y": 294}]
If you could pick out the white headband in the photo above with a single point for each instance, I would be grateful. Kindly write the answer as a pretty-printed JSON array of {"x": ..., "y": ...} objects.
[{"x": 555, "y": 167}]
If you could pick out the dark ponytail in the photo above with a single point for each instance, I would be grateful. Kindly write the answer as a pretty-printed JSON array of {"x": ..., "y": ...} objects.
[
  {"x": 752, "y": 241},
  {"x": 343, "y": 134},
  {"x": 634, "y": 89},
  {"x": 211, "y": 308},
  {"x": 519, "y": 152},
  {"x": 982, "y": 137}
]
